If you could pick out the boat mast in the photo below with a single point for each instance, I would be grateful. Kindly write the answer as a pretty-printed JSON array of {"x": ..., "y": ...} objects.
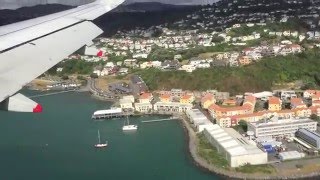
[{"x": 99, "y": 136}]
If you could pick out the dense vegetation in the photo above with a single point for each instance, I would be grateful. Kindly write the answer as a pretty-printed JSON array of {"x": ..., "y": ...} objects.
[
  {"x": 292, "y": 24},
  {"x": 255, "y": 77},
  {"x": 210, "y": 153},
  {"x": 73, "y": 66}
]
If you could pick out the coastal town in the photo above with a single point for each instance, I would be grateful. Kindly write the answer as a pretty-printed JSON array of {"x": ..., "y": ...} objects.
[{"x": 247, "y": 132}]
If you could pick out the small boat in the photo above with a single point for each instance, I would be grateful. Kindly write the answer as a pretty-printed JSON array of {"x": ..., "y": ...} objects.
[
  {"x": 100, "y": 145},
  {"x": 128, "y": 127}
]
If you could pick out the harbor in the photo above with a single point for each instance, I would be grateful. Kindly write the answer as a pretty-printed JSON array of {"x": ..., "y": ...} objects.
[{"x": 62, "y": 139}]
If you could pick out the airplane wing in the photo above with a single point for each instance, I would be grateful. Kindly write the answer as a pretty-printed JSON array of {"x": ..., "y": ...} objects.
[{"x": 29, "y": 48}]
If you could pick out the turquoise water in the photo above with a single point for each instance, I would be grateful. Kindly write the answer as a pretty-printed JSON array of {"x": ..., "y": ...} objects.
[{"x": 58, "y": 144}]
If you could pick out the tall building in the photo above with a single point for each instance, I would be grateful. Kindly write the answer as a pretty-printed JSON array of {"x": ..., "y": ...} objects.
[{"x": 281, "y": 127}]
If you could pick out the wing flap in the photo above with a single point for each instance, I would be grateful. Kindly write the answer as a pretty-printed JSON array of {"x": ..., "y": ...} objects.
[{"x": 26, "y": 62}]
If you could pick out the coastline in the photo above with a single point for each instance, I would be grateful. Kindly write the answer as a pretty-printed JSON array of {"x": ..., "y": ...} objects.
[
  {"x": 191, "y": 140},
  {"x": 192, "y": 152}
]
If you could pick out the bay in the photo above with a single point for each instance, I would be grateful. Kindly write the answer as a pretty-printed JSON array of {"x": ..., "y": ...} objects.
[{"x": 58, "y": 144}]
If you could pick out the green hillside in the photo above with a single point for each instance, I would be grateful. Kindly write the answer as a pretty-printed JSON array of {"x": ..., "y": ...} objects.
[{"x": 255, "y": 77}]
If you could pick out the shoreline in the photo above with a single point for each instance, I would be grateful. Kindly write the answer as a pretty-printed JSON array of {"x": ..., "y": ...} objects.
[
  {"x": 192, "y": 152},
  {"x": 199, "y": 162}
]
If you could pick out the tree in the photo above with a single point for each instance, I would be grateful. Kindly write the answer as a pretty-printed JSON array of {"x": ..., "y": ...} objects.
[
  {"x": 65, "y": 77},
  {"x": 314, "y": 117},
  {"x": 94, "y": 75},
  {"x": 243, "y": 124}
]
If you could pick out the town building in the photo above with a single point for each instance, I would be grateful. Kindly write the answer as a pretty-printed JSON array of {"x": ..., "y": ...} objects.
[
  {"x": 145, "y": 98},
  {"x": 207, "y": 100},
  {"x": 274, "y": 104},
  {"x": 217, "y": 112},
  {"x": 171, "y": 107},
  {"x": 297, "y": 103},
  {"x": 237, "y": 149},
  {"x": 198, "y": 119},
  {"x": 129, "y": 98},
  {"x": 309, "y": 93},
  {"x": 165, "y": 98},
  {"x": 125, "y": 104},
  {"x": 143, "y": 107},
  {"x": 311, "y": 137},
  {"x": 276, "y": 127},
  {"x": 187, "y": 99}
]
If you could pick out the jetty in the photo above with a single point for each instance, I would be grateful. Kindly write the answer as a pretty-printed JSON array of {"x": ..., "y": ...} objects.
[{"x": 160, "y": 120}]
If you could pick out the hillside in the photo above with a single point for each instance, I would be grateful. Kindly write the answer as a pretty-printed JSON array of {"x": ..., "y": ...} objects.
[
  {"x": 25, "y": 13},
  {"x": 253, "y": 78}
]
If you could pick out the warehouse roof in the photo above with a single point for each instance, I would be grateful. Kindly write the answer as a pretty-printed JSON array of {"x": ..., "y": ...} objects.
[{"x": 232, "y": 141}]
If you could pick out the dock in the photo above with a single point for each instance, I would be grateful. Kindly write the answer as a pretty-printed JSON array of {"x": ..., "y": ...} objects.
[{"x": 159, "y": 120}]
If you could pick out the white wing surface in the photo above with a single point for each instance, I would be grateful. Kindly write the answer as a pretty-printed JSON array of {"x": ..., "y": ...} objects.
[{"x": 29, "y": 48}]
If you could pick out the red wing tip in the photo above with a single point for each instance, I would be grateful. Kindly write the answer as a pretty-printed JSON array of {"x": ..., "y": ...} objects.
[
  {"x": 100, "y": 53},
  {"x": 37, "y": 109}
]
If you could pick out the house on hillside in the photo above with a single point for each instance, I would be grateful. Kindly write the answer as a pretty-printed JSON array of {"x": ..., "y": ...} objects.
[{"x": 274, "y": 104}]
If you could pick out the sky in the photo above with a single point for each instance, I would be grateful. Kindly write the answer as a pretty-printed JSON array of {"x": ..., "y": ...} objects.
[{"x": 13, "y": 4}]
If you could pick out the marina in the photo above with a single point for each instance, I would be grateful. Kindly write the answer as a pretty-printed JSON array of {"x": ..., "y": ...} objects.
[{"x": 73, "y": 156}]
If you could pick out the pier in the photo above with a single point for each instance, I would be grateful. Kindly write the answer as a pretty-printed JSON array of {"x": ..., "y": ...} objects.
[
  {"x": 53, "y": 93},
  {"x": 160, "y": 120}
]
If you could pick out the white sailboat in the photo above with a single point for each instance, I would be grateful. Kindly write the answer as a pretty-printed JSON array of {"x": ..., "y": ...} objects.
[
  {"x": 99, "y": 145},
  {"x": 128, "y": 127}
]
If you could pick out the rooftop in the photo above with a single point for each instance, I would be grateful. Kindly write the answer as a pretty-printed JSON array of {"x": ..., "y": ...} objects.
[
  {"x": 280, "y": 122},
  {"x": 232, "y": 141},
  {"x": 274, "y": 100}
]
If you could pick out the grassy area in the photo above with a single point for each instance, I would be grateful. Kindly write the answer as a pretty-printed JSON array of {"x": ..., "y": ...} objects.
[
  {"x": 210, "y": 153},
  {"x": 250, "y": 169},
  {"x": 256, "y": 77}
]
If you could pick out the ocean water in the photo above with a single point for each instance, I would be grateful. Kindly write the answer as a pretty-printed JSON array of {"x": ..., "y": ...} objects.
[{"x": 58, "y": 144}]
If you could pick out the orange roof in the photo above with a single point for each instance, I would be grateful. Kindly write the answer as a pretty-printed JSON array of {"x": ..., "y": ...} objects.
[
  {"x": 231, "y": 101},
  {"x": 222, "y": 109},
  {"x": 317, "y": 95},
  {"x": 186, "y": 96},
  {"x": 248, "y": 115},
  {"x": 207, "y": 97},
  {"x": 146, "y": 96},
  {"x": 311, "y": 91},
  {"x": 316, "y": 101},
  {"x": 296, "y": 101},
  {"x": 250, "y": 99},
  {"x": 165, "y": 96},
  {"x": 274, "y": 100}
]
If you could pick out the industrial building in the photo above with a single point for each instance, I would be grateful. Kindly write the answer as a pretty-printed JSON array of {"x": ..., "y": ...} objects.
[
  {"x": 289, "y": 155},
  {"x": 198, "y": 119},
  {"x": 310, "y": 137},
  {"x": 281, "y": 127},
  {"x": 237, "y": 149}
]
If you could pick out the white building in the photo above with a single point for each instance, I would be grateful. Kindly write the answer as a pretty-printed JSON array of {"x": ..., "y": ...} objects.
[
  {"x": 289, "y": 155},
  {"x": 125, "y": 104},
  {"x": 237, "y": 150},
  {"x": 171, "y": 107},
  {"x": 129, "y": 97},
  {"x": 143, "y": 107},
  {"x": 198, "y": 119},
  {"x": 281, "y": 127}
]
